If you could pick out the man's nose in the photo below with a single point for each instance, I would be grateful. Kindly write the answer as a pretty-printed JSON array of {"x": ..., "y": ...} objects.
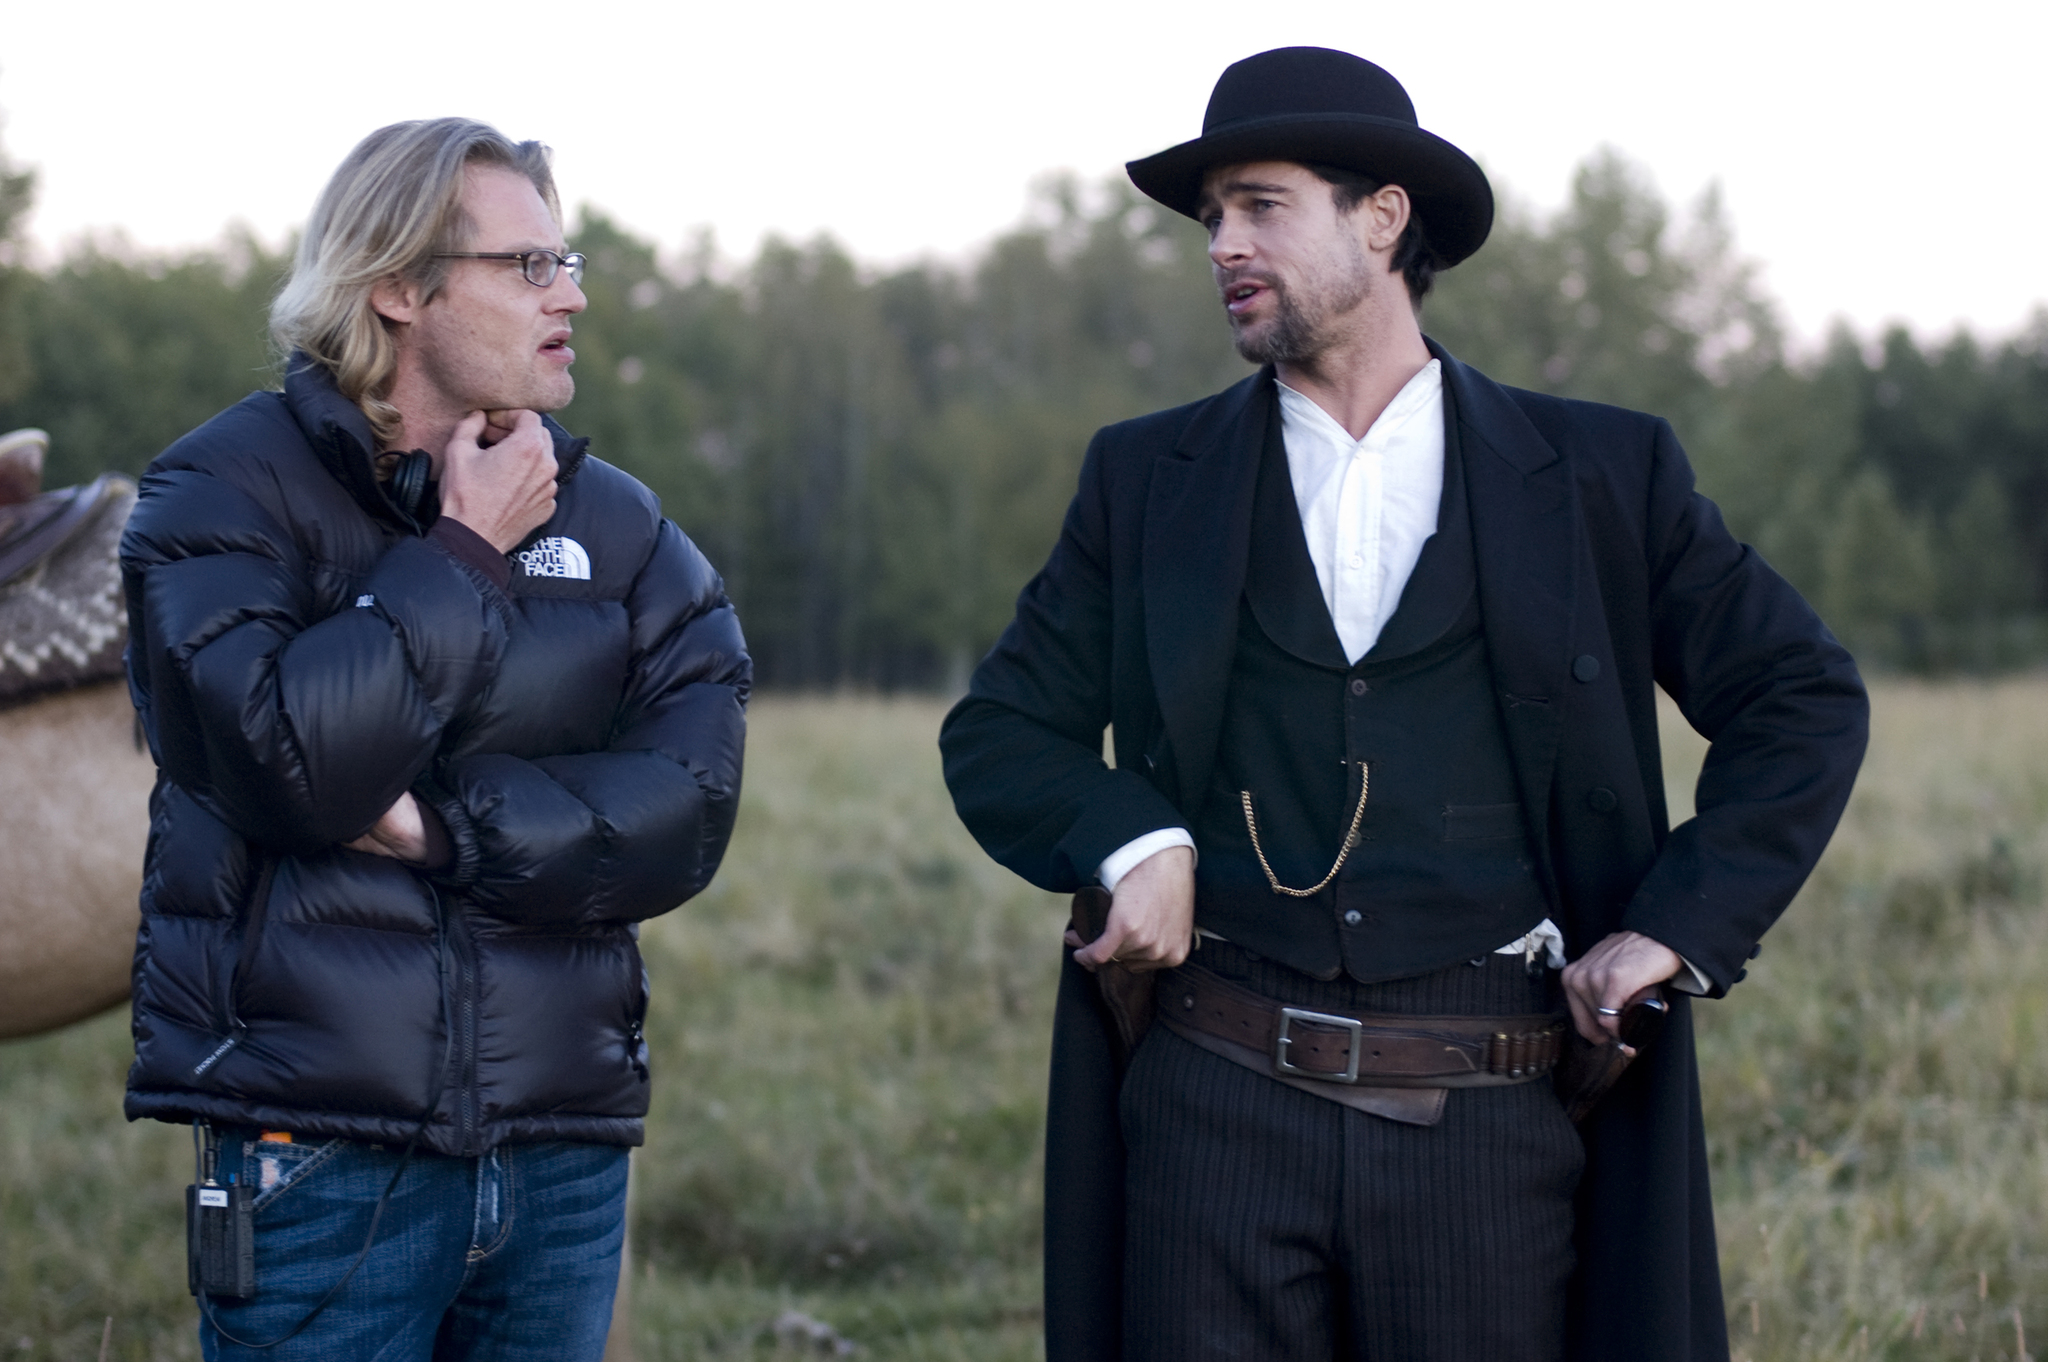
[
  {"x": 565, "y": 295},
  {"x": 1231, "y": 243}
]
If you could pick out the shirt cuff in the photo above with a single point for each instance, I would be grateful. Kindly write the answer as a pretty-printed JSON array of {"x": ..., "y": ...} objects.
[
  {"x": 462, "y": 542},
  {"x": 1690, "y": 980},
  {"x": 1125, "y": 858}
]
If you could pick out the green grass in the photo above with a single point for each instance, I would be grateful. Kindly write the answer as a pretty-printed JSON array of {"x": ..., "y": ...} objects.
[
  {"x": 854, "y": 1022},
  {"x": 851, "y": 1030},
  {"x": 1877, "y": 1093}
]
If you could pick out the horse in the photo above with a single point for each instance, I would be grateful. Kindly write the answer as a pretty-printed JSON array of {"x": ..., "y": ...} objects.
[{"x": 74, "y": 777}]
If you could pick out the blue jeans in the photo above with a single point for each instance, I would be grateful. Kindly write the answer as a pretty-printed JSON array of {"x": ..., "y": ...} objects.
[{"x": 512, "y": 1257}]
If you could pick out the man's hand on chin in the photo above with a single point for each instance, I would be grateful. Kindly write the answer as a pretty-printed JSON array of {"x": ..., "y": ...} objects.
[
  {"x": 498, "y": 425},
  {"x": 1151, "y": 916},
  {"x": 502, "y": 488},
  {"x": 1615, "y": 973}
]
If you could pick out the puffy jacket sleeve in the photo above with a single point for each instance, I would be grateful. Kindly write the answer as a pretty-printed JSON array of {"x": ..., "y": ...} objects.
[
  {"x": 636, "y": 829},
  {"x": 297, "y": 729}
]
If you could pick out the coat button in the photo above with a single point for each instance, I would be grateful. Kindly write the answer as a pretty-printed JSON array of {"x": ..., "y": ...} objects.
[
  {"x": 1358, "y": 686},
  {"x": 1601, "y": 799},
  {"x": 1352, "y": 917},
  {"x": 1585, "y": 667},
  {"x": 1756, "y": 950},
  {"x": 1740, "y": 975}
]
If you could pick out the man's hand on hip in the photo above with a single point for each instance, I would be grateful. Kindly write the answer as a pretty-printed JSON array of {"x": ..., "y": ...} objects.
[
  {"x": 506, "y": 490},
  {"x": 407, "y": 832},
  {"x": 1621, "y": 969},
  {"x": 1151, "y": 917}
]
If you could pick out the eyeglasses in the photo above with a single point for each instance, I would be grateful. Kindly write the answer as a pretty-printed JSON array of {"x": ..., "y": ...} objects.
[{"x": 539, "y": 267}]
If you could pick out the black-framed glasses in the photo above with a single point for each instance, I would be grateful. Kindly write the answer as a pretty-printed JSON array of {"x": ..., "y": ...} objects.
[{"x": 539, "y": 267}]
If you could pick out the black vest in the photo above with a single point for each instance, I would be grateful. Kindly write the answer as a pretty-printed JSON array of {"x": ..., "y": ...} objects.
[{"x": 1442, "y": 870}]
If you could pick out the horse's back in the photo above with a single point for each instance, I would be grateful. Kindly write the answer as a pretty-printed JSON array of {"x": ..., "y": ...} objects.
[{"x": 75, "y": 788}]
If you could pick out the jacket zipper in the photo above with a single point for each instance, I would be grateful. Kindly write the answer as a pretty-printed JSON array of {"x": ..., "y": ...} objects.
[
  {"x": 247, "y": 937},
  {"x": 465, "y": 1022},
  {"x": 636, "y": 1040}
]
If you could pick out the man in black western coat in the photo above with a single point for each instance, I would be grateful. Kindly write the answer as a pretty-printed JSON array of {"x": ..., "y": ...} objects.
[{"x": 1376, "y": 639}]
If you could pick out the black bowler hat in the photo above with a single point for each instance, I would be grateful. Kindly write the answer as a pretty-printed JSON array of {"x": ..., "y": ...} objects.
[{"x": 1313, "y": 104}]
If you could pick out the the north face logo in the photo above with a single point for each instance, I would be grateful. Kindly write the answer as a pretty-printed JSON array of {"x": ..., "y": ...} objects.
[{"x": 555, "y": 557}]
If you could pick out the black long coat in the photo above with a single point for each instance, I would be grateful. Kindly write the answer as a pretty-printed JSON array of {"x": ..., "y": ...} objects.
[{"x": 1602, "y": 574}]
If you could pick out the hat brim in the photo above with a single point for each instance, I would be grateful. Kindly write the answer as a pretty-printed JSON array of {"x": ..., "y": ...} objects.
[{"x": 1450, "y": 191}]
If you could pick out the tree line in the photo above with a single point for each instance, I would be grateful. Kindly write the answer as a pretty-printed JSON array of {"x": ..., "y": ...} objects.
[{"x": 879, "y": 459}]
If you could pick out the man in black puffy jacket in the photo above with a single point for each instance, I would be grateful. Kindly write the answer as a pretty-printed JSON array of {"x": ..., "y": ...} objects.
[{"x": 442, "y": 708}]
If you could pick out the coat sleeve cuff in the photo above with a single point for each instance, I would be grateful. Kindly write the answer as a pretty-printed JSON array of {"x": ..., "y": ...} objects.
[
  {"x": 1121, "y": 809},
  {"x": 1127, "y": 857},
  {"x": 466, "y": 852}
]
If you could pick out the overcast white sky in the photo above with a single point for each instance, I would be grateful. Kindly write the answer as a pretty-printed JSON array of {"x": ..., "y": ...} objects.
[{"x": 1884, "y": 160}]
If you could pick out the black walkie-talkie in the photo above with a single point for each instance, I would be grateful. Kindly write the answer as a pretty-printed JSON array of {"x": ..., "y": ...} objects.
[{"x": 220, "y": 1230}]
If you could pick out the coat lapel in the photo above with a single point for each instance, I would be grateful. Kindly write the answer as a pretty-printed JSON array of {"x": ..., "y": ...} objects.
[
  {"x": 1198, "y": 519},
  {"x": 1525, "y": 532}
]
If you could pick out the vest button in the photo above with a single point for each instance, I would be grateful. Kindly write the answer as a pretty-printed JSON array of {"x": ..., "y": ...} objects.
[
  {"x": 1585, "y": 667},
  {"x": 1756, "y": 950},
  {"x": 1602, "y": 800},
  {"x": 1358, "y": 686},
  {"x": 1352, "y": 917}
]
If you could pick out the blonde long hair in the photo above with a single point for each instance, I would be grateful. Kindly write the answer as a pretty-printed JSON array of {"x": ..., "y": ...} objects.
[{"x": 391, "y": 206}]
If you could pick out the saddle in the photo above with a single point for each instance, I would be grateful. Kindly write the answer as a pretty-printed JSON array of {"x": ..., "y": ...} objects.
[{"x": 63, "y": 622}]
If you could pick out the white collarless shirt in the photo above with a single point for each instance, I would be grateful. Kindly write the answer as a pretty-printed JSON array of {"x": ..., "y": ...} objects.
[{"x": 1367, "y": 505}]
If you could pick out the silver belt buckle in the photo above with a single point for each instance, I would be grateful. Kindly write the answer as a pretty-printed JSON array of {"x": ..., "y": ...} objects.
[{"x": 1291, "y": 1015}]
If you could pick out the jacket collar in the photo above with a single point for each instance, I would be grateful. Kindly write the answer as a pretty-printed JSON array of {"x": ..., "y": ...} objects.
[
  {"x": 1526, "y": 534},
  {"x": 1198, "y": 521},
  {"x": 1280, "y": 582},
  {"x": 341, "y": 438}
]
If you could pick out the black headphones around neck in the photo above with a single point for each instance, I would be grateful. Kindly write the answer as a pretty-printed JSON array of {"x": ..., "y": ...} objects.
[{"x": 409, "y": 481}]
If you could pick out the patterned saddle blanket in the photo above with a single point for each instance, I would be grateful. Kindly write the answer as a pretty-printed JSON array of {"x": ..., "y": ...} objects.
[{"x": 62, "y": 619}]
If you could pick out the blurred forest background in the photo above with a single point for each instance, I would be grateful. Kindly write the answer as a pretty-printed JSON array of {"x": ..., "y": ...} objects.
[{"x": 878, "y": 460}]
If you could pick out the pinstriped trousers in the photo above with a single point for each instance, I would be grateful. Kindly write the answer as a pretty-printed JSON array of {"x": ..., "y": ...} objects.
[{"x": 1268, "y": 1223}]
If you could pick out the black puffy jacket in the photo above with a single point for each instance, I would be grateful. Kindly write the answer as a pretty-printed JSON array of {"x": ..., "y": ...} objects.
[{"x": 301, "y": 653}]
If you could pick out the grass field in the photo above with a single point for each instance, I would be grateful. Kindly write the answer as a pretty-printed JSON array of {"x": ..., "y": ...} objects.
[{"x": 851, "y": 1029}]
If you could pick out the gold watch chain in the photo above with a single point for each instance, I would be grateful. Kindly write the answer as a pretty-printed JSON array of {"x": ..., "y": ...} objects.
[{"x": 1251, "y": 825}]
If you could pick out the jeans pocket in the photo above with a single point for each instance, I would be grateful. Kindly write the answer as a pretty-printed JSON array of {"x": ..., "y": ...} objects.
[{"x": 278, "y": 1167}]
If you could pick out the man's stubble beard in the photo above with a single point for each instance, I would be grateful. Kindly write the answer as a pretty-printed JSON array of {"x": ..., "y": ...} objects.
[
  {"x": 478, "y": 378},
  {"x": 1300, "y": 330},
  {"x": 1288, "y": 338}
]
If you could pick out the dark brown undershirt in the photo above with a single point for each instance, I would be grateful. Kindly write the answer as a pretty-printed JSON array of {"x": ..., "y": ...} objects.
[{"x": 473, "y": 549}]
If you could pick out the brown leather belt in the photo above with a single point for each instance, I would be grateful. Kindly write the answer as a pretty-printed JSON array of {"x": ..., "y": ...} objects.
[{"x": 1359, "y": 1049}]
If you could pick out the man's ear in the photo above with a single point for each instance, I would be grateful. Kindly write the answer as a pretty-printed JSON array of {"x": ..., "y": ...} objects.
[
  {"x": 395, "y": 299},
  {"x": 1387, "y": 212}
]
